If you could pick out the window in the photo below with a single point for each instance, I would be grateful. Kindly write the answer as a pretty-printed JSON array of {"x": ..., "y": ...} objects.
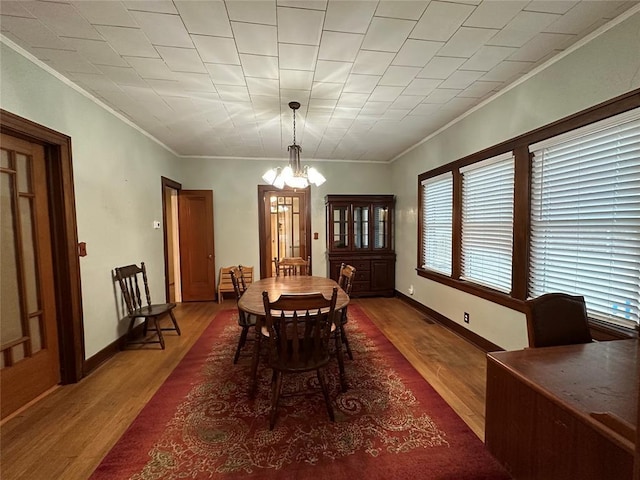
[
  {"x": 585, "y": 217},
  {"x": 553, "y": 210},
  {"x": 437, "y": 198},
  {"x": 487, "y": 222}
]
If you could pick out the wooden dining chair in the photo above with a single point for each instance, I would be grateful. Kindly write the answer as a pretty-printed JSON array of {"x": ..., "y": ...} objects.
[
  {"x": 345, "y": 281},
  {"x": 131, "y": 279},
  {"x": 245, "y": 320},
  {"x": 557, "y": 319},
  {"x": 299, "y": 328}
]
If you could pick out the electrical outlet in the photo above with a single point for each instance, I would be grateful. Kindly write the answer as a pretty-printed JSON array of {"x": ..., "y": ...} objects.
[{"x": 466, "y": 317}]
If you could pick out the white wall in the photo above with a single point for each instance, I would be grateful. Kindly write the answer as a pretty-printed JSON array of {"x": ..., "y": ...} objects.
[
  {"x": 117, "y": 185},
  {"x": 235, "y": 201},
  {"x": 605, "y": 67}
]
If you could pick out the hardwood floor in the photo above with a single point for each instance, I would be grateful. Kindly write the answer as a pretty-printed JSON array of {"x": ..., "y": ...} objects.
[{"x": 67, "y": 433}]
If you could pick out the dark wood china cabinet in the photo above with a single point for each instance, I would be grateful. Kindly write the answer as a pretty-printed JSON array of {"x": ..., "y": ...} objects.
[{"x": 360, "y": 233}]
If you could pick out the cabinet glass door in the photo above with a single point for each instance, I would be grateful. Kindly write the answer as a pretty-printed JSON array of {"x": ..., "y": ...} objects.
[
  {"x": 380, "y": 227},
  {"x": 361, "y": 227},
  {"x": 340, "y": 227}
]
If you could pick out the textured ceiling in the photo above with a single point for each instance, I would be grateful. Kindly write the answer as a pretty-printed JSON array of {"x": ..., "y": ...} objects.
[{"x": 213, "y": 78}]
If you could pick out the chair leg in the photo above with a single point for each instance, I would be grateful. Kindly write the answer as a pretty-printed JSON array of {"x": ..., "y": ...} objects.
[
  {"x": 241, "y": 342},
  {"x": 276, "y": 385},
  {"x": 325, "y": 393},
  {"x": 175, "y": 322},
  {"x": 254, "y": 362},
  {"x": 159, "y": 332},
  {"x": 340, "y": 355},
  {"x": 345, "y": 340}
]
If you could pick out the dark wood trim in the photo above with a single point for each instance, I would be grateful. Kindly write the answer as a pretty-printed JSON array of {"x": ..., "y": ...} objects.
[
  {"x": 64, "y": 238},
  {"x": 456, "y": 225},
  {"x": 521, "y": 223},
  {"x": 167, "y": 182},
  {"x": 110, "y": 350},
  {"x": 473, "y": 338}
]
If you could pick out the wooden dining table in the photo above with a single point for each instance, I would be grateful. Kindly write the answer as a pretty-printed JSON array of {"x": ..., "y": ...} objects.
[{"x": 252, "y": 302}]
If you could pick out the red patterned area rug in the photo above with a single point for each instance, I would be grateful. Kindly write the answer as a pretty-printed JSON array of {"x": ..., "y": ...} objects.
[{"x": 390, "y": 424}]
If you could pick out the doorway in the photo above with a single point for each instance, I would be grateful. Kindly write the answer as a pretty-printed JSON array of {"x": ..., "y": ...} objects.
[
  {"x": 173, "y": 287},
  {"x": 285, "y": 225}
]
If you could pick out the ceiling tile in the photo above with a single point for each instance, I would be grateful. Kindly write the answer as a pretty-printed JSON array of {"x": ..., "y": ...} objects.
[
  {"x": 407, "y": 101},
  {"x": 31, "y": 31},
  {"x": 233, "y": 93},
  {"x": 375, "y": 108},
  {"x": 466, "y": 41},
  {"x": 349, "y": 16},
  {"x": 252, "y": 11},
  {"x": 296, "y": 25},
  {"x": 122, "y": 76},
  {"x": 399, "y": 76},
  {"x": 416, "y": 53},
  {"x": 63, "y": 19},
  {"x": 182, "y": 59},
  {"x": 195, "y": 82},
  {"x": 259, "y": 66},
  {"x": 94, "y": 81},
  {"x": 522, "y": 29},
  {"x": 340, "y": 46},
  {"x": 256, "y": 39},
  {"x": 65, "y": 60},
  {"x": 441, "y": 67},
  {"x": 425, "y": 109},
  {"x": 150, "y": 67},
  {"x": 387, "y": 34},
  {"x": 441, "y": 20},
  {"x": 157, "y": 6},
  {"x": 372, "y": 63},
  {"x": 163, "y": 29},
  {"x": 494, "y": 14},
  {"x": 442, "y": 95},
  {"x": 551, "y": 6},
  {"x": 312, "y": 4},
  {"x": 216, "y": 49},
  {"x": 507, "y": 70},
  {"x": 579, "y": 18},
  {"x": 105, "y": 13},
  {"x": 353, "y": 99},
  {"x": 461, "y": 79},
  {"x": 480, "y": 89},
  {"x": 296, "y": 79},
  {"x": 167, "y": 87},
  {"x": 205, "y": 18},
  {"x": 361, "y": 83},
  {"x": 383, "y": 93},
  {"x": 15, "y": 9},
  {"x": 225, "y": 74},
  {"x": 128, "y": 41},
  {"x": 326, "y": 90},
  {"x": 422, "y": 86},
  {"x": 406, "y": 9},
  {"x": 541, "y": 45},
  {"x": 487, "y": 57},
  {"x": 297, "y": 57},
  {"x": 96, "y": 51},
  {"x": 263, "y": 86},
  {"x": 333, "y": 72}
]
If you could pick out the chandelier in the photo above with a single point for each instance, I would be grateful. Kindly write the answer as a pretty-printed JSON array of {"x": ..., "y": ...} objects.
[{"x": 293, "y": 174}]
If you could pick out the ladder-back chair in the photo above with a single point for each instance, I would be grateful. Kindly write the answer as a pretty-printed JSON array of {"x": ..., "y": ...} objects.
[
  {"x": 245, "y": 320},
  {"x": 131, "y": 279}
]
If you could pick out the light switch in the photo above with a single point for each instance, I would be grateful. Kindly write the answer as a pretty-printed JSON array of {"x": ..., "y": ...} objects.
[{"x": 156, "y": 224}]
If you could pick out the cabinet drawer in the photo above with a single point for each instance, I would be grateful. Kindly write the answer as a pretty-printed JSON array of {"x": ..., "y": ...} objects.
[
  {"x": 361, "y": 265},
  {"x": 362, "y": 276}
]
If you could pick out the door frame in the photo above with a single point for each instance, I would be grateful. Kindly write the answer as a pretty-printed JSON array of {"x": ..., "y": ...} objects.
[
  {"x": 167, "y": 183},
  {"x": 64, "y": 239},
  {"x": 262, "y": 226}
]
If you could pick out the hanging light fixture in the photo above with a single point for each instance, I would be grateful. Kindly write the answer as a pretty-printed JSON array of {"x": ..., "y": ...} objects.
[{"x": 293, "y": 174}]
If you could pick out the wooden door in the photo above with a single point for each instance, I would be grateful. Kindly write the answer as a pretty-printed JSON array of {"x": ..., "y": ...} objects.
[
  {"x": 285, "y": 225},
  {"x": 30, "y": 362},
  {"x": 197, "y": 260}
]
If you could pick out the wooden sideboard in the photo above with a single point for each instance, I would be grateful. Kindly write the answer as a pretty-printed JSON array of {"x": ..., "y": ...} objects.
[
  {"x": 360, "y": 233},
  {"x": 563, "y": 413}
]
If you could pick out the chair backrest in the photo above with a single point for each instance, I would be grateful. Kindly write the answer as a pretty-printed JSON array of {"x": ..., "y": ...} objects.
[
  {"x": 129, "y": 279},
  {"x": 246, "y": 275},
  {"x": 294, "y": 265},
  {"x": 346, "y": 277},
  {"x": 224, "y": 281},
  {"x": 557, "y": 319},
  {"x": 236, "y": 281},
  {"x": 299, "y": 327}
]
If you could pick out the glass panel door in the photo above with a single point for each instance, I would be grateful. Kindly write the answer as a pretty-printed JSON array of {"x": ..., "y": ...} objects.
[
  {"x": 340, "y": 227},
  {"x": 361, "y": 227},
  {"x": 380, "y": 227}
]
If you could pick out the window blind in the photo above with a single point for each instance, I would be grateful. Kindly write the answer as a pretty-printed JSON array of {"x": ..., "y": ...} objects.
[
  {"x": 487, "y": 222},
  {"x": 585, "y": 218},
  {"x": 437, "y": 208}
]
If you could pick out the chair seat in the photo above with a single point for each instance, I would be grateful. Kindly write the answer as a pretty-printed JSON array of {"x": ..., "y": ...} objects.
[{"x": 153, "y": 310}]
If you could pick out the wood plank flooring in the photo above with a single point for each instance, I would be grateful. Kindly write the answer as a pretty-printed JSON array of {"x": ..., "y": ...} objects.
[{"x": 66, "y": 434}]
